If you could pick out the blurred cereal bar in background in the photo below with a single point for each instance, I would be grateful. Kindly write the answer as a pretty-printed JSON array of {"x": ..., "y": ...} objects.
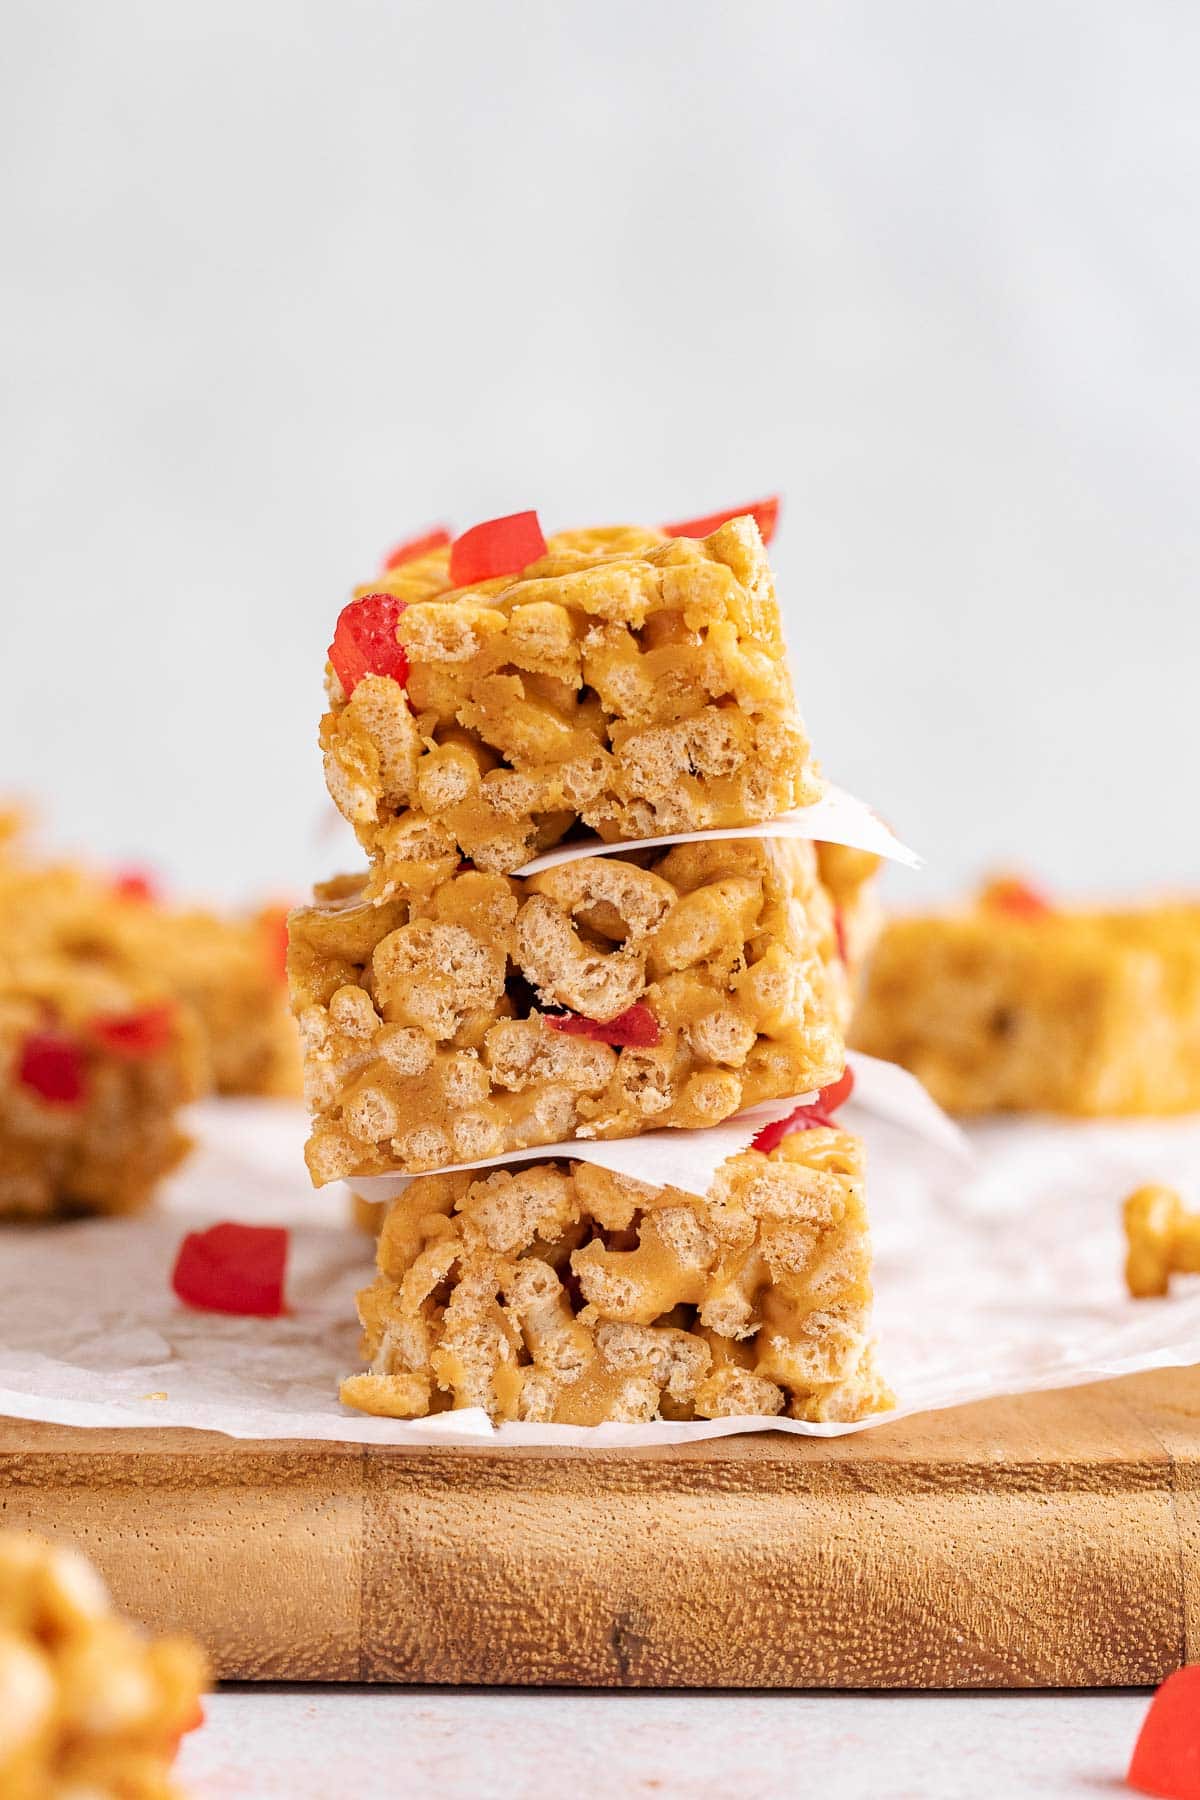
[
  {"x": 489, "y": 697},
  {"x": 1014, "y": 1004},
  {"x": 228, "y": 972},
  {"x": 90, "y": 1709},
  {"x": 116, "y": 1010},
  {"x": 563, "y": 1292}
]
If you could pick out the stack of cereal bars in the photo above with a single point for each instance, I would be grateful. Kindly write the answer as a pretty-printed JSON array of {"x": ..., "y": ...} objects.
[{"x": 488, "y": 700}]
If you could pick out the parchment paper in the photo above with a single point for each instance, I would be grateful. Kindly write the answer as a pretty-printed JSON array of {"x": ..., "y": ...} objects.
[
  {"x": 994, "y": 1277},
  {"x": 836, "y": 818}
]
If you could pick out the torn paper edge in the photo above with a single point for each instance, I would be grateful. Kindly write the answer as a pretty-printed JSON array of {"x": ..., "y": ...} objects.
[{"x": 837, "y": 818}]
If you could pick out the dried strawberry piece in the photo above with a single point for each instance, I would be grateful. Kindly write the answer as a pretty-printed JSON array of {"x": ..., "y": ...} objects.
[
  {"x": 1016, "y": 898},
  {"x": 52, "y": 1065},
  {"x": 411, "y": 548},
  {"x": 1166, "y": 1757},
  {"x": 364, "y": 641},
  {"x": 497, "y": 547},
  {"x": 765, "y": 514},
  {"x": 806, "y": 1118},
  {"x": 233, "y": 1269},
  {"x": 134, "y": 1035},
  {"x": 136, "y": 884},
  {"x": 635, "y": 1028}
]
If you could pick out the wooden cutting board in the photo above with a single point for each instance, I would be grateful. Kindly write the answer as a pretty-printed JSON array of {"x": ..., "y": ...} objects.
[{"x": 1051, "y": 1540}]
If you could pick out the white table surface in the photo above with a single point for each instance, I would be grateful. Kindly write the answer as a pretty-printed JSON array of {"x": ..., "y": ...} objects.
[{"x": 379, "y": 1743}]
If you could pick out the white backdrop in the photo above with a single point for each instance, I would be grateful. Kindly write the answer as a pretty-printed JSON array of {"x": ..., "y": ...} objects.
[{"x": 285, "y": 281}]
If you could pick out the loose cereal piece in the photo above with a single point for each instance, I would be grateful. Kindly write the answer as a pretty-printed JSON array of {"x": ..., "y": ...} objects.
[
  {"x": 562, "y": 1292},
  {"x": 88, "y": 1706},
  {"x": 1162, "y": 1238},
  {"x": 624, "y": 680},
  {"x": 431, "y": 1024},
  {"x": 1007, "y": 1006}
]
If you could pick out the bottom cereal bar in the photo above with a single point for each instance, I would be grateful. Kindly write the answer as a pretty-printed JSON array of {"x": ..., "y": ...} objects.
[
  {"x": 93, "y": 1071},
  {"x": 89, "y": 1709},
  {"x": 1012, "y": 1004},
  {"x": 563, "y": 1292}
]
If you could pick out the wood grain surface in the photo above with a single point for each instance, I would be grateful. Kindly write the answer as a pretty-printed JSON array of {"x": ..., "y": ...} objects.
[{"x": 1050, "y": 1540}]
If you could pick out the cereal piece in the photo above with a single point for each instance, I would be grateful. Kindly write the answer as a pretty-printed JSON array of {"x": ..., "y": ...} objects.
[
  {"x": 1162, "y": 1239},
  {"x": 625, "y": 680},
  {"x": 88, "y": 1706},
  {"x": 1027, "y": 1008},
  {"x": 710, "y": 971},
  {"x": 564, "y": 1293}
]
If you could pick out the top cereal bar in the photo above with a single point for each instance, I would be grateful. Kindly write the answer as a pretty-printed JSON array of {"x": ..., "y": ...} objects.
[{"x": 627, "y": 682}]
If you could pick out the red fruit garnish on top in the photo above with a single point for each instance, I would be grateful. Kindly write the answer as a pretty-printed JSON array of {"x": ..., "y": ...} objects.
[
  {"x": 411, "y": 548},
  {"x": 135, "y": 884},
  {"x": 765, "y": 514},
  {"x": 635, "y": 1028},
  {"x": 806, "y": 1118},
  {"x": 497, "y": 547},
  {"x": 133, "y": 1035},
  {"x": 1010, "y": 895},
  {"x": 53, "y": 1066},
  {"x": 1166, "y": 1757},
  {"x": 233, "y": 1269},
  {"x": 364, "y": 641}
]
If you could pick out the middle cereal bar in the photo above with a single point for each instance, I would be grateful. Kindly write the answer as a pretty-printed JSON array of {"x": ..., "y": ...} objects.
[{"x": 483, "y": 1013}]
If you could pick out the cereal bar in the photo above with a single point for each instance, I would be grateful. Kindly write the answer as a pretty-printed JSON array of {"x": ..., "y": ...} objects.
[
  {"x": 89, "y": 1708},
  {"x": 564, "y": 1292},
  {"x": 482, "y": 1013},
  {"x": 93, "y": 1071},
  {"x": 225, "y": 972},
  {"x": 624, "y": 681},
  {"x": 1012, "y": 1004}
]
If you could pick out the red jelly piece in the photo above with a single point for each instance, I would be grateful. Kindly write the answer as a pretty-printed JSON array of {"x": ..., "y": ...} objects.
[
  {"x": 364, "y": 641},
  {"x": 233, "y": 1269},
  {"x": 136, "y": 884},
  {"x": 53, "y": 1067},
  {"x": 275, "y": 932},
  {"x": 765, "y": 514},
  {"x": 806, "y": 1118},
  {"x": 134, "y": 1035},
  {"x": 411, "y": 548},
  {"x": 497, "y": 547},
  {"x": 1166, "y": 1757},
  {"x": 1017, "y": 898},
  {"x": 635, "y": 1028}
]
